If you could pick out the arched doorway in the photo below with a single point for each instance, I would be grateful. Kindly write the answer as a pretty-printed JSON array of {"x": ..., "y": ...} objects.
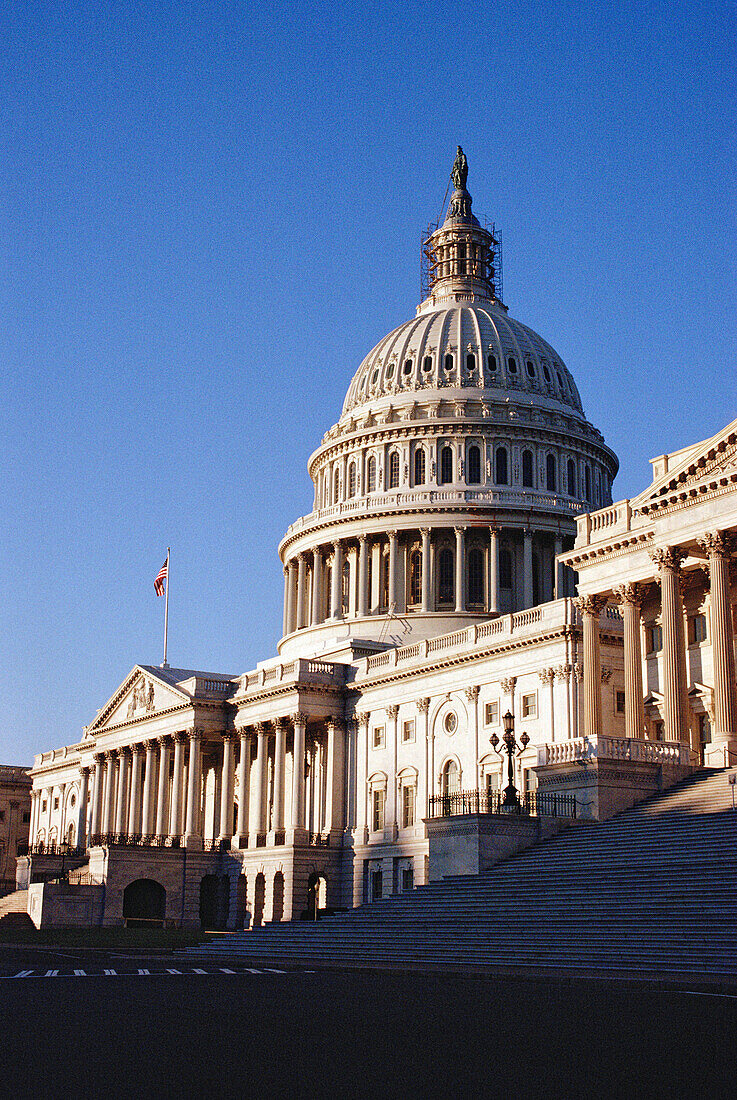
[
  {"x": 259, "y": 897},
  {"x": 144, "y": 903},
  {"x": 278, "y": 909},
  {"x": 451, "y": 780},
  {"x": 70, "y": 835},
  {"x": 317, "y": 895},
  {"x": 214, "y": 902}
]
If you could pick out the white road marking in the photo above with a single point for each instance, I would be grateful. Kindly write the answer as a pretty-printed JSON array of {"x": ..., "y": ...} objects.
[
  {"x": 173, "y": 971},
  {"x": 224, "y": 970},
  {"x": 51, "y": 974},
  {"x": 699, "y": 993},
  {"x": 196, "y": 971},
  {"x": 80, "y": 973},
  {"x": 111, "y": 973},
  {"x": 22, "y": 974},
  {"x": 271, "y": 970},
  {"x": 144, "y": 971}
]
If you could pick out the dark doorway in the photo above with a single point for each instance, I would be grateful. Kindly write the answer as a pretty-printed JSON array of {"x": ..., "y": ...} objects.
[
  {"x": 259, "y": 896},
  {"x": 144, "y": 903},
  {"x": 214, "y": 902},
  {"x": 278, "y": 896}
]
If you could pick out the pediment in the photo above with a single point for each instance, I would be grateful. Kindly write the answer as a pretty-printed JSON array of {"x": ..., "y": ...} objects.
[
  {"x": 703, "y": 467},
  {"x": 142, "y": 693}
]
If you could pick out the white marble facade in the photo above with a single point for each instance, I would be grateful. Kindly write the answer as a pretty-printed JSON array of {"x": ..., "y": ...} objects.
[{"x": 430, "y": 590}]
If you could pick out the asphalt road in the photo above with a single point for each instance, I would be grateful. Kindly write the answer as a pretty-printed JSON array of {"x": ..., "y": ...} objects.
[{"x": 125, "y": 1026}]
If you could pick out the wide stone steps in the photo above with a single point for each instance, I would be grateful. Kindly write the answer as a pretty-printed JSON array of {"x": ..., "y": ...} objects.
[
  {"x": 653, "y": 890},
  {"x": 12, "y": 905}
]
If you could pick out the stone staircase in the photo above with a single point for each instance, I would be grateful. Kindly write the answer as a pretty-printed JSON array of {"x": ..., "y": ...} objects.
[
  {"x": 13, "y": 910},
  {"x": 653, "y": 890}
]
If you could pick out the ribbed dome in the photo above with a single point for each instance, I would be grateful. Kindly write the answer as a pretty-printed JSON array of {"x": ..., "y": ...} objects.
[{"x": 476, "y": 347}]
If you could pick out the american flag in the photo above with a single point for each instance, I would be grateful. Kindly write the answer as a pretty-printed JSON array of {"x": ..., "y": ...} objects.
[{"x": 160, "y": 578}]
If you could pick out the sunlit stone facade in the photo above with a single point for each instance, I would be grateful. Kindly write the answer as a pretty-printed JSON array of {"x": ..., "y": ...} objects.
[{"x": 429, "y": 591}]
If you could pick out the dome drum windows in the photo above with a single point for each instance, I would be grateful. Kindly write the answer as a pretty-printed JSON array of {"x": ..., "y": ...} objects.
[
  {"x": 512, "y": 365},
  {"x": 571, "y": 471},
  {"x": 427, "y": 363},
  {"x": 394, "y": 470},
  {"x": 470, "y": 362},
  {"x": 528, "y": 477},
  {"x": 446, "y": 466},
  {"x": 351, "y": 490},
  {"x": 414, "y": 595},
  {"x": 446, "y": 577},
  {"x": 530, "y": 368},
  {"x": 491, "y": 364},
  {"x": 551, "y": 480},
  {"x": 407, "y": 368},
  {"x": 501, "y": 466},
  {"x": 473, "y": 465},
  {"x": 476, "y": 577},
  {"x": 419, "y": 470},
  {"x": 448, "y": 363},
  {"x": 371, "y": 475}
]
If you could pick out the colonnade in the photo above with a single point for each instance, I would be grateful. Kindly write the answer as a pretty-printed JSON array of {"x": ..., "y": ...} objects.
[
  {"x": 674, "y": 682},
  {"x": 380, "y": 574},
  {"x": 152, "y": 792}
]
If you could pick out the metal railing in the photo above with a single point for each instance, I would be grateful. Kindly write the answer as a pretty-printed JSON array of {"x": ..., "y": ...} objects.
[
  {"x": 531, "y": 804},
  {"x": 53, "y": 848}
]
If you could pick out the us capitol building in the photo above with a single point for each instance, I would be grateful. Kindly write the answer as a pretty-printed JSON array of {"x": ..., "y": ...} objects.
[{"x": 462, "y": 561}]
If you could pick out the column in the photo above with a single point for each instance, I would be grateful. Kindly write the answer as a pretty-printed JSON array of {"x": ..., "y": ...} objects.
[
  {"x": 177, "y": 787},
  {"x": 134, "y": 811},
  {"x": 81, "y": 830},
  {"x": 336, "y": 582},
  {"x": 559, "y": 588},
  {"x": 392, "y": 536},
  {"x": 472, "y": 695},
  {"x": 148, "y": 818},
  {"x": 121, "y": 804},
  {"x": 527, "y": 568},
  {"x": 363, "y": 595},
  {"x": 244, "y": 778},
  {"x": 192, "y": 824},
  {"x": 390, "y": 810},
  {"x": 675, "y": 701},
  {"x": 299, "y": 722},
  {"x": 590, "y": 608},
  {"x": 460, "y": 585},
  {"x": 301, "y": 592},
  {"x": 317, "y": 614},
  {"x": 493, "y": 570},
  {"x": 162, "y": 798},
  {"x": 109, "y": 796},
  {"x": 427, "y": 603},
  {"x": 258, "y": 806},
  {"x": 423, "y": 707},
  {"x": 34, "y": 815},
  {"x": 361, "y": 720},
  {"x": 718, "y": 547},
  {"x": 226, "y": 789},
  {"x": 291, "y": 615},
  {"x": 97, "y": 788},
  {"x": 280, "y": 745},
  {"x": 334, "y": 788},
  {"x": 630, "y": 602},
  {"x": 285, "y": 618}
]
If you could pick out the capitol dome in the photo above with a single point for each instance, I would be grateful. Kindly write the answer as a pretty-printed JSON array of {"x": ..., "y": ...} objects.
[{"x": 454, "y": 475}]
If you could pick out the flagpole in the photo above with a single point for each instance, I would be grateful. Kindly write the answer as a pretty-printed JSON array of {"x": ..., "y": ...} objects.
[{"x": 166, "y": 610}]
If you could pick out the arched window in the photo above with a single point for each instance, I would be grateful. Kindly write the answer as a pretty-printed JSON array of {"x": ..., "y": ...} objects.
[
  {"x": 448, "y": 362},
  {"x": 394, "y": 470},
  {"x": 587, "y": 483},
  {"x": 571, "y": 478},
  {"x": 475, "y": 575},
  {"x": 352, "y": 480},
  {"x": 336, "y": 487},
  {"x": 446, "y": 586},
  {"x": 371, "y": 475},
  {"x": 415, "y": 577},
  {"x": 505, "y": 569},
  {"x": 550, "y": 478},
  {"x": 512, "y": 364},
  {"x": 470, "y": 362},
  {"x": 473, "y": 473},
  {"x": 446, "y": 466},
  {"x": 527, "y": 477},
  {"x": 419, "y": 466},
  {"x": 501, "y": 472},
  {"x": 491, "y": 363},
  {"x": 345, "y": 587},
  {"x": 451, "y": 778}
]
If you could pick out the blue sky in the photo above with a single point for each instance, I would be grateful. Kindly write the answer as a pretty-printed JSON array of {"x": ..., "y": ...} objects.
[{"x": 212, "y": 211}]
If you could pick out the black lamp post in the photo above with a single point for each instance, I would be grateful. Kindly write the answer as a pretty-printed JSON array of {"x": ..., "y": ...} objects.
[
  {"x": 511, "y": 803},
  {"x": 63, "y": 875}
]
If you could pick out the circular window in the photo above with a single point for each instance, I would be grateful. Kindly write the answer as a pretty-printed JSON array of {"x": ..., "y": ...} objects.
[{"x": 450, "y": 722}]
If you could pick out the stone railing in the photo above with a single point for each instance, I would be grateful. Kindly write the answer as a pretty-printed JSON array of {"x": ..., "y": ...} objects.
[
  {"x": 582, "y": 750},
  {"x": 547, "y": 616},
  {"x": 297, "y": 671},
  {"x": 616, "y": 519}
]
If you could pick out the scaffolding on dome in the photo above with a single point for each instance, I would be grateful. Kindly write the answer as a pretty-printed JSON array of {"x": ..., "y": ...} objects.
[{"x": 428, "y": 263}]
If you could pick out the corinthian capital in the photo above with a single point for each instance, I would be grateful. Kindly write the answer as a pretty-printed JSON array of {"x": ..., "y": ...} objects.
[
  {"x": 716, "y": 544},
  {"x": 590, "y": 605},
  {"x": 299, "y": 719},
  {"x": 392, "y": 711},
  {"x": 508, "y": 684},
  {"x": 631, "y": 594},
  {"x": 547, "y": 675},
  {"x": 667, "y": 558},
  {"x": 423, "y": 705}
]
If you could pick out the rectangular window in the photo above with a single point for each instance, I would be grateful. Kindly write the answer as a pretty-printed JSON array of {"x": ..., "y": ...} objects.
[
  {"x": 492, "y": 782},
  {"x": 529, "y": 780},
  {"x": 491, "y": 714},
  {"x": 654, "y": 638},
  {"x": 378, "y": 737},
  {"x": 408, "y": 730},
  {"x": 408, "y": 879},
  {"x": 378, "y": 815},
  {"x": 408, "y": 806},
  {"x": 529, "y": 705},
  {"x": 697, "y": 629},
  {"x": 26, "y": 817},
  {"x": 619, "y": 702}
]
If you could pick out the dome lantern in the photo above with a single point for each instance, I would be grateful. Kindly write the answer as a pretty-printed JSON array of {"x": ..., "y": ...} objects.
[{"x": 460, "y": 257}]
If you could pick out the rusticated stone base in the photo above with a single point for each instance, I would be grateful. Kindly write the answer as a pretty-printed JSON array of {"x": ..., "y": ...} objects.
[
  {"x": 604, "y": 788},
  {"x": 466, "y": 844}
]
